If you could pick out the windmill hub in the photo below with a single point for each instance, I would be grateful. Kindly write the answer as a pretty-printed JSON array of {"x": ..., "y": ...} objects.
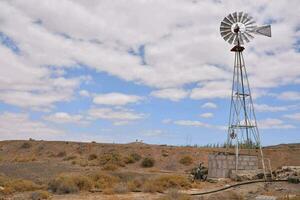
[{"x": 238, "y": 27}]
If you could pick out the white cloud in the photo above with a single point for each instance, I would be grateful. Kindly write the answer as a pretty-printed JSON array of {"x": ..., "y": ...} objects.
[
  {"x": 117, "y": 116},
  {"x": 84, "y": 93},
  {"x": 272, "y": 123},
  {"x": 191, "y": 123},
  {"x": 209, "y": 105},
  {"x": 173, "y": 94},
  {"x": 20, "y": 126},
  {"x": 166, "y": 121},
  {"x": 267, "y": 108},
  {"x": 153, "y": 133},
  {"x": 207, "y": 115},
  {"x": 289, "y": 95},
  {"x": 294, "y": 116},
  {"x": 62, "y": 117},
  {"x": 116, "y": 99},
  {"x": 211, "y": 90}
]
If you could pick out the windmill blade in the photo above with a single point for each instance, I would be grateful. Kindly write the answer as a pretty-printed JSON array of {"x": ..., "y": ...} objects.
[
  {"x": 227, "y": 21},
  {"x": 245, "y": 16},
  {"x": 231, "y": 39},
  {"x": 230, "y": 18},
  {"x": 222, "y": 28},
  {"x": 263, "y": 30},
  {"x": 250, "y": 23},
  {"x": 227, "y": 36},
  {"x": 225, "y": 26},
  {"x": 223, "y": 33},
  {"x": 249, "y": 18},
  {"x": 245, "y": 37},
  {"x": 235, "y": 17},
  {"x": 240, "y": 15},
  {"x": 249, "y": 35}
]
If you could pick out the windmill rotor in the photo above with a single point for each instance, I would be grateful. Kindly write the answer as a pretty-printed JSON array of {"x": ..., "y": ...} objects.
[{"x": 239, "y": 27}]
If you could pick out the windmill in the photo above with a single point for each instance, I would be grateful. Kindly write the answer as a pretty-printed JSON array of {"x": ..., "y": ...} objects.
[{"x": 238, "y": 28}]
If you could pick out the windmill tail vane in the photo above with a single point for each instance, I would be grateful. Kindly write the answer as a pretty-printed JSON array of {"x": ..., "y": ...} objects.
[{"x": 239, "y": 28}]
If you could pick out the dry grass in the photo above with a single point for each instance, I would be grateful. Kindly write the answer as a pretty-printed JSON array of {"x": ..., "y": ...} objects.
[
  {"x": 186, "y": 160},
  {"x": 165, "y": 182},
  {"x": 17, "y": 185},
  {"x": 40, "y": 195},
  {"x": 173, "y": 194},
  {"x": 289, "y": 198},
  {"x": 24, "y": 158},
  {"x": 92, "y": 156}
]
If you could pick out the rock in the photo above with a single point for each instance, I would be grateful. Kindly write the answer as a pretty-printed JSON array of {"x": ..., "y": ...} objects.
[
  {"x": 262, "y": 197},
  {"x": 244, "y": 175}
]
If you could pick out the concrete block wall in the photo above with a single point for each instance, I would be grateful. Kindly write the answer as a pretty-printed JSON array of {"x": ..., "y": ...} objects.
[{"x": 220, "y": 166}]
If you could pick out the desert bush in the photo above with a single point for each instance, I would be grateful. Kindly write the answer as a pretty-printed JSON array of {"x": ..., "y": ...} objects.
[
  {"x": 61, "y": 154},
  {"x": 25, "y": 158},
  {"x": 120, "y": 188},
  {"x": 17, "y": 185},
  {"x": 111, "y": 158},
  {"x": 40, "y": 195},
  {"x": 148, "y": 162},
  {"x": 110, "y": 167},
  {"x": 173, "y": 194},
  {"x": 92, "y": 156},
  {"x": 186, "y": 160},
  {"x": 135, "y": 185},
  {"x": 165, "y": 182},
  {"x": 164, "y": 153},
  {"x": 104, "y": 181},
  {"x": 26, "y": 145},
  {"x": 132, "y": 158},
  {"x": 66, "y": 184},
  {"x": 70, "y": 158}
]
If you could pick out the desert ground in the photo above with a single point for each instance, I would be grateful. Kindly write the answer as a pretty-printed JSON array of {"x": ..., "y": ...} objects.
[{"x": 74, "y": 170}]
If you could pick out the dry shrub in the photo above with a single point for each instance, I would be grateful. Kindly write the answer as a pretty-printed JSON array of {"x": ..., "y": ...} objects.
[
  {"x": 26, "y": 145},
  {"x": 111, "y": 158},
  {"x": 135, "y": 185},
  {"x": 17, "y": 185},
  {"x": 132, "y": 158},
  {"x": 165, "y": 182},
  {"x": 25, "y": 158},
  {"x": 173, "y": 194},
  {"x": 186, "y": 160},
  {"x": 104, "y": 181},
  {"x": 164, "y": 153},
  {"x": 70, "y": 158},
  {"x": 40, "y": 195},
  {"x": 110, "y": 167},
  {"x": 148, "y": 162},
  {"x": 65, "y": 184},
  {"x": 92, "y": 156},
  {"x": 61, "y": 154},
  {"x": 120, "y": 188}
]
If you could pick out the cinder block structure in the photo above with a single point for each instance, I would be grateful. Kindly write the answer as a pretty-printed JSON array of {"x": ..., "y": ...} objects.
[{"x": 220, "y": 166}]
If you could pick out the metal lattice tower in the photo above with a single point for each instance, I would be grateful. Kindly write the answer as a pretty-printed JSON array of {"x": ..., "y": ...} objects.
[{"x": 237, "y": 28}]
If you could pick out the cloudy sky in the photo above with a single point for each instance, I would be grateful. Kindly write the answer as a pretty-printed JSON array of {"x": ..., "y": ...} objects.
[{"x": 152, "y": 70}]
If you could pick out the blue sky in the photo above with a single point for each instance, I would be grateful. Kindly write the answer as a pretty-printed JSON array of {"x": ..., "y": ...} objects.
[{"x": 156, "y": 71}]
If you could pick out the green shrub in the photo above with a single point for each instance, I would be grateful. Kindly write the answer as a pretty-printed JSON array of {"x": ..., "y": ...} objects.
[
  {"x": 148, "y": 162},
  {"x": 186, "y": 160}
]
